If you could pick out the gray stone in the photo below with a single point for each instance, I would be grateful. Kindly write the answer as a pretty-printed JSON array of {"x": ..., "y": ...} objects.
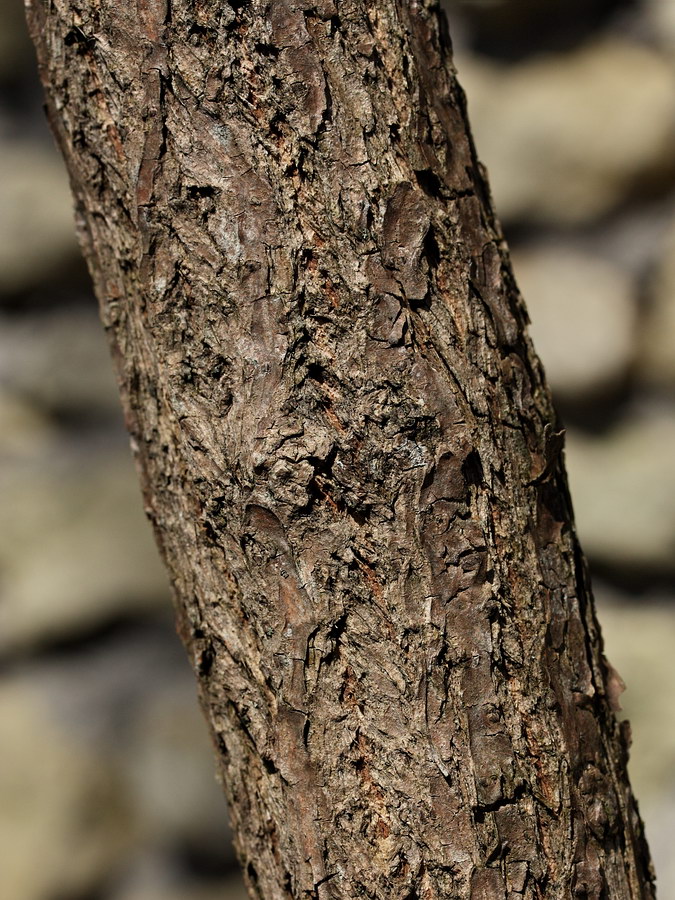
[
  {"x": 75, "y": 549},
  {"x": 583, "y": 316},
  {"x": 146, "y": 889},
  {"x": 623, "y": 484},
  {"x": 108, "y": 772},
  {"x": 657, "y": 339},
  {"x": 566, "y": 137},
  {"x": 134, "y": 698},
  {"x": 171, "y": 770},
  {"x": 660, "y": 15},
  {"x": 58, "y": 361},
  {"x": 16, "y": 52},
  {"x": 61, "y": 812},
  {"x": 639, "y": 640},
  {"x": 37, "y": 233},
  {"x": 25, "y": 432}
]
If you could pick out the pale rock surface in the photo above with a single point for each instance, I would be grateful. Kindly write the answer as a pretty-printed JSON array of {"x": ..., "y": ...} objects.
[
  {"x": 661, "y": 16},
  {"x": 132, "y": 697},
  {"x": 59, "y": 362},
  {"x": 583, "y": 317},
  {"x": 75, "y": 548},
  {"x": 37, "y": 233},
  {"x": 60, "y": 807},
  {"x": 657, "y": 340},
  {"x": 15, "y": 49},
  {"x": 227, "y": 889},
  {"x": 639, "y": 640},
  {"x": 115, "y": 729},
  {"x": 566, "y": 137},
  {"x": 171, "y": 770},
  {"x": 622, "y": 485},
  {"x": 24, "y": 431}
]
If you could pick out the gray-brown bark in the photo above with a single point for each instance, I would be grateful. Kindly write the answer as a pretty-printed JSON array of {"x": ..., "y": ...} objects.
[{"x": 347, "y": 447}]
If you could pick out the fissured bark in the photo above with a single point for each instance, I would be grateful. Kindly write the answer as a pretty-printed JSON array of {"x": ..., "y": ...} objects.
[{"x": 347, "y": 447}]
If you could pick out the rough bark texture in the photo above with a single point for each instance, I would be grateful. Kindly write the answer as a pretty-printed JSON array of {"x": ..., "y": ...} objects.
[{"x": 347, "y": 447}]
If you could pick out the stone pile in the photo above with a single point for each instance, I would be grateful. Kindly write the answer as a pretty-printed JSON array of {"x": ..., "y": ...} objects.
[{"x": 107, "y": 784}]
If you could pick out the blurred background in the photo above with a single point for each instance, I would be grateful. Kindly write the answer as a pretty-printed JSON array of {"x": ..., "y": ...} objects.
[{"x": 107, "y": 786}]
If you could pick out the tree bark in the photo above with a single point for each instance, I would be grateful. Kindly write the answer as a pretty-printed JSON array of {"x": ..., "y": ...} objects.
[{"x": 347, "y": 447}]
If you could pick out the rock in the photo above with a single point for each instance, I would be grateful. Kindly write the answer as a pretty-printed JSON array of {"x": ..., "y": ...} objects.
[
  {"x": 37, "y": 234},
  {"x": 134, "y": 696},
  {"x": 75, "y": 548},
  {"x": 171, "y": 769},
  {"x": 60, "y": 808},
  {"x": 657, "y": 339},
  {"x": 632, "y": 238},
  {"x": 24, "y": 432},
  {"x": 146, "y": 888},
  {"x": 622, "y": 485},
  {"x": 567, "y": 137},
  {"x": 583, "y": 316},
  {"x": 639, "y": 641},
  {"x": 108, "y": 773},
  {"x": 58, "y": 361},
  {"x": 661, "y": 17},
  {"x": 16, "y": 52},
  {"x": 517, "y": 28},
  {"x": 659, "y": 817}
]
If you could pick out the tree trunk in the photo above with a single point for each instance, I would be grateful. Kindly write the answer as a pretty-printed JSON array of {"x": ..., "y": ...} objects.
[{"x": 347, "y": 447}]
